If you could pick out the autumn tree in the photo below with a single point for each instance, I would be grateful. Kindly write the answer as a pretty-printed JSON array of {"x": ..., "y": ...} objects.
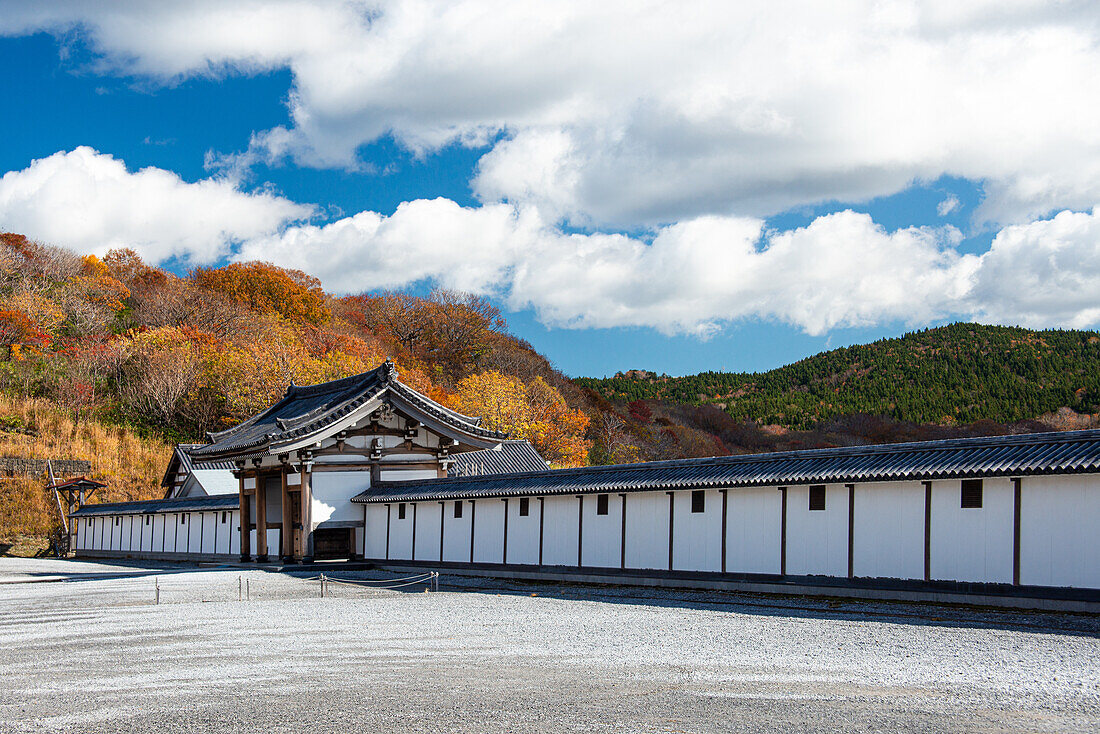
[
  {"x": 536, "y": 412},
  {"x": 292, "y": 294}
]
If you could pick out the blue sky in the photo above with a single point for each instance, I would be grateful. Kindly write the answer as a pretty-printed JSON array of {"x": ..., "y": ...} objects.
[{"x": 622, "y": 214}]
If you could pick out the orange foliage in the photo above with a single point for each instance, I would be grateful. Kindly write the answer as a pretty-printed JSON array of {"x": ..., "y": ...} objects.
[{"x": 265, "y": 287}]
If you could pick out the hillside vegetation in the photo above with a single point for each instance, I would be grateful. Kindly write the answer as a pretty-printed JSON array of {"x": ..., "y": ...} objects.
[{"x": 952, "y": 375}]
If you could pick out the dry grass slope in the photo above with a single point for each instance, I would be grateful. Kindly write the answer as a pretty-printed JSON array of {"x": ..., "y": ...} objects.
[{"x": 129, "y": 464}]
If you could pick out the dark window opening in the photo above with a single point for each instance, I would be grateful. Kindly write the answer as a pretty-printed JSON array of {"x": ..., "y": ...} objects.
[
  {"x": 147, "y": 519},
  {"x": 401, "y": 511},
  {"x": 458, "y": 510},
  {"x": 524, "y": 506},
  {"x": 118, "y": 520},
  {"x": 183, "y": 519},
  {"x": 601, "y": 504},
  {"x": 223, "y": 518},
  {"x": 698, "y": 500},
  {"x": 971, "y": 493},
  {"x": 817, "y": 497}
]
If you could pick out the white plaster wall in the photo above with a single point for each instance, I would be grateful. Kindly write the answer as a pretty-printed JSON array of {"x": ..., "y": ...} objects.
[
  {"x": 697, "y": 537},
  {"x": 332, "y": 493},
  {"x": 406, "y": 475},
  {"x": 601, "y": 534},
  {"x": 972, "y": 544},
  {"x": 489, "y": 531},
  {"x": 158, "y": 543},
  {"x": 114, "y": 532},
  {"x": 817, "y": 542},
  {"x": 456, "y": 532},
  {"x": 427, "y": 531},
  {"x": 209, "y": 534},
  {"x": 172, "y": 528},
  {"x": 647, "y": 530},
  {"x": 235, "y": 532},
  {"x": 401, "y": 531},
  {"x": 375, "y": 546},
  {"x": 523, "y": 532},
  {"x": 888, "y": 530},
  {"x": 753, "y": 526},
  {"x": 559, "y": 532},
  {"x": 1060, "y": 531},
  {"x": 128, "y": 532}
]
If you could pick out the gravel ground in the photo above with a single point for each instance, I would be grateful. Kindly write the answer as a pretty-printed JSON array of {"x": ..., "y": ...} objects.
[{"x": 89, "y": 651}]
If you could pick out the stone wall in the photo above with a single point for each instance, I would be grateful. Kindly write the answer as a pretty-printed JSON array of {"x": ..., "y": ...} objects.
[{"x": 12, "y": 465}]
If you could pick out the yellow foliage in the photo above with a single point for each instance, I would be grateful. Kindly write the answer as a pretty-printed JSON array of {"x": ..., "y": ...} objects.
[{"x": 536, "y": 412}]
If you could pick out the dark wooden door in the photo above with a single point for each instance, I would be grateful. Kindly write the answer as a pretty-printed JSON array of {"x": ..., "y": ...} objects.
[{"x": 331, "y": 543}]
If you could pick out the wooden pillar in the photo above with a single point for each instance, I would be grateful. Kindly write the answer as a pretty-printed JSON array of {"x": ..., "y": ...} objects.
[
  {"x": 286, "y": 535},
  {"x": 473, "y": 517},
  {"x": 261, "y": 519},
  {"x": 442, "y": 518},
  {"x": 580, "y": 528},
  {"x": 246, "y": 546},
  {"x": 306, "y": 479}
]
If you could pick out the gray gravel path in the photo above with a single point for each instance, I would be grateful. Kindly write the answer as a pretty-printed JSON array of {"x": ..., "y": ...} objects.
[{"x": 94, "y": 654}]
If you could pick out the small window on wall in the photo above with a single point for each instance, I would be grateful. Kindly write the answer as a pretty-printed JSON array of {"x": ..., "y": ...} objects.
[
  {"x": 401, "y": 511},
  {"x": 223, "y": 517},
  {"x": 117, "y": 521},
  {"x": 817, "y": 497},
  {"x": 601, "y": 504},
  {"x": 147, "y": 518},
  {"x": 971, "y": 493},
  {"x": 524, "y": 506},
  {"x": 458, "y": 510},
  {"x": 698, "y": 500}
]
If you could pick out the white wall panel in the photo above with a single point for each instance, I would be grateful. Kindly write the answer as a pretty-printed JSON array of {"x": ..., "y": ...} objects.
[
  {"x": 697, "y": 536},
  {"x": 332, "y": 493},
  {"x": 158, "y": 540},
  {"x": 209, "y": 525},
  {"x": 114, "y": 532},
  {"x": 401, "y": 531},
  {"x": 523, "y": 532},
  {"x": 973, "y": 544},
  {"x": 489, "y": 531},
  {"x": 376, "y": 532},
  {"x": 888, "y": 530},
  {"x": 753, "y": 526},
  {"x": 235, "y": 533},
  {"x": 559, "y": 532},
  {"x": 427, "y": 531},
  {"x": 456, "y": 532},
  {"x": 600, "y": 544},
  {"x": 647, "y": 530},
  {"x": 817, "y": 540},
  {"x": 1060, "y": 531}
]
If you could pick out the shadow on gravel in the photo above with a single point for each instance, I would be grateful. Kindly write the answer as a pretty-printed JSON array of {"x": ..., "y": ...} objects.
[{"x": 800, "y": 607}]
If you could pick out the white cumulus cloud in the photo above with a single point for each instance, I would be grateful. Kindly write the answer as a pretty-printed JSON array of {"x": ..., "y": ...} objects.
[
  {"x": 90, "y": 202},
  {"x": 626, "y": 114}
]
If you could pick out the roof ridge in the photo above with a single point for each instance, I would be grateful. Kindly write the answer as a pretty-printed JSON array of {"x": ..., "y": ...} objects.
[{"x": 867, "y": 449}]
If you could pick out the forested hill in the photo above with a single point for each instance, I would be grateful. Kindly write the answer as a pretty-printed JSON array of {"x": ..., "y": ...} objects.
[{"x": 953, "y": 374}]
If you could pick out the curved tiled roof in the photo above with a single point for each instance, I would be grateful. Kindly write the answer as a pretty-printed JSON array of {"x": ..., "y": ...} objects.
[
  {"x": 511, "y": 457},
  {"x": 152, "y": 507},
  {"x": 1021, "y": 455},
  {"x": 306, "y": 412}
]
